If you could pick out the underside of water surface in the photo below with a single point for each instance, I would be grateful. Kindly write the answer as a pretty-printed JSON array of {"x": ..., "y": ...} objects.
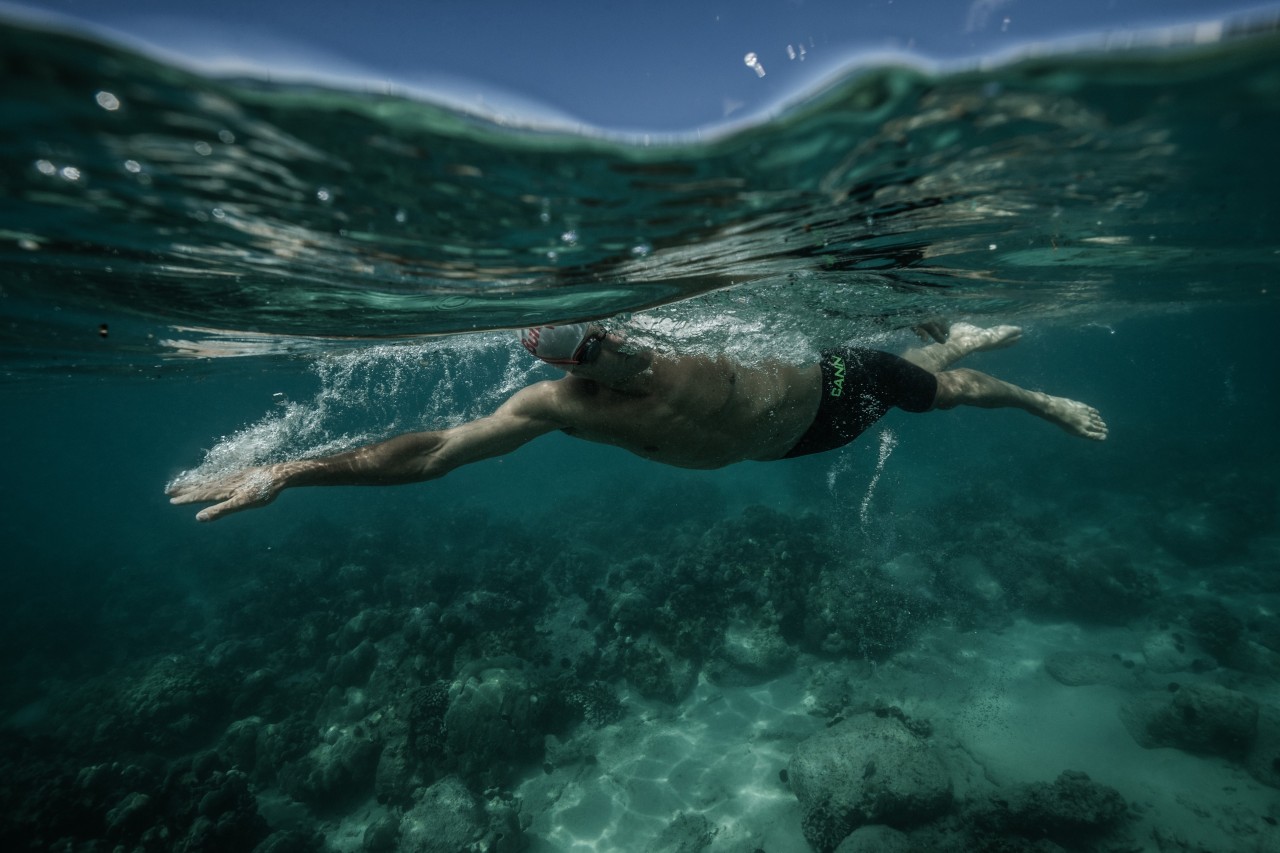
[{"x": 254, "y": 217}]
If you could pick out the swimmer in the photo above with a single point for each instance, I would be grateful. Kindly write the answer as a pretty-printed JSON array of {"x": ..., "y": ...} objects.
[{"x": 691, "y": 411}]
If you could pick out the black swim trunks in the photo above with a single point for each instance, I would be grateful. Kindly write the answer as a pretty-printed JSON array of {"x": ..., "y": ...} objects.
[{"x": 858, "y": 387}]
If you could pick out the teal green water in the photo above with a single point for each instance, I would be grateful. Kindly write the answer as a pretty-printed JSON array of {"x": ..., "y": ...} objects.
[{"x": 201, "y": 274}]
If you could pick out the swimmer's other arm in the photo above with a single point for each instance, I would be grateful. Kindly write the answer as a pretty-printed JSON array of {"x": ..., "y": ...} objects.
[{"x": 409, "y": 458}]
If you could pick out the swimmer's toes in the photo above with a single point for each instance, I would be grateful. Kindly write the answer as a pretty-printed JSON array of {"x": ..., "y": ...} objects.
[
  {"x": 1005, "y": 336},
  {"x": 1078, "y": 419},
  {"x": 1095, "y": 427}
]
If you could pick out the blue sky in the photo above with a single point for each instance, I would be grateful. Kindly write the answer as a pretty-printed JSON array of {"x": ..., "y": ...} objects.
[{"x": 659, "y": 65}]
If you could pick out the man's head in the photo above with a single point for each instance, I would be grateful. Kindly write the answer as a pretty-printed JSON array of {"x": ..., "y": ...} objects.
[
  {"x": 588, "y": 351},
  {"x": 564, "y": 346}
]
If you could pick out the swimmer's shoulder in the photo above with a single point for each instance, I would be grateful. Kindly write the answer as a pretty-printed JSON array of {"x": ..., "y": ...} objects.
[{"x": 558, "y": 399}]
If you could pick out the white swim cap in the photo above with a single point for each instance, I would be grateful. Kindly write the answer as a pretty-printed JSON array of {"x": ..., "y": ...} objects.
[{"x": 556, "y": 344}]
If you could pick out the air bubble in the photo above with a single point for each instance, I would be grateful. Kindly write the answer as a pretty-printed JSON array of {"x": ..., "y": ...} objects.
[{"x": 888, "y": 441}]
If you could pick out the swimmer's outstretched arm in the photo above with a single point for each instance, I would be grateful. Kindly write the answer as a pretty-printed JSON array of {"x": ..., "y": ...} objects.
[{"x": 409, "y": 458}]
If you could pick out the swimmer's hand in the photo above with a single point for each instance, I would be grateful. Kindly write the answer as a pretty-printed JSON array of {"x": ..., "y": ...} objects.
[
  {"x": 248, "y": 488},
  {"x": 408, "y": 458}
]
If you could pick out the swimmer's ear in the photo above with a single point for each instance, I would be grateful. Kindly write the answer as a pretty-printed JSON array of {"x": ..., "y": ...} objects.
[{"x": 936, "y": 328}]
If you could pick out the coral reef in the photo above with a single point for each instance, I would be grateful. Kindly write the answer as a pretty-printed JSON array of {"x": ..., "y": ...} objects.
[{"x": 366, "y": 693}]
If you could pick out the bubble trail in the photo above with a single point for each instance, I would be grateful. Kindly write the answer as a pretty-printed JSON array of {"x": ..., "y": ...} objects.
[{"x": 888, "y": 441}]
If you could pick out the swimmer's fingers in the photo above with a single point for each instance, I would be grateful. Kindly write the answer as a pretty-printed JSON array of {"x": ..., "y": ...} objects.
[
  {"x": 235, "y": 504},
  {"x": 252, "y": 487},
  {"x": 189, "y": 492}
]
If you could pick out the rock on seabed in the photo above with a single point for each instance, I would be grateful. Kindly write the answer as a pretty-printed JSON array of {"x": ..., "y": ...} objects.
[{"x": 866, "y": 770}]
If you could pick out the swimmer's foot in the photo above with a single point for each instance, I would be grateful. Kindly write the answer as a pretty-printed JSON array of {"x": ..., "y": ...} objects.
[
  {"x": 1075, "y": 417},
  {"x": 971, "y": 338},
  {"x": 963, "y": 338}
]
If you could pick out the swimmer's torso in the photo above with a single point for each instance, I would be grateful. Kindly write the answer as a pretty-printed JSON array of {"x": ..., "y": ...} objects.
[{"x": 698, "y": 411}]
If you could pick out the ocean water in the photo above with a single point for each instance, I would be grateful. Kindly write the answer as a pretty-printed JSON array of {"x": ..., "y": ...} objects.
[{"x": 967, "y": 630}]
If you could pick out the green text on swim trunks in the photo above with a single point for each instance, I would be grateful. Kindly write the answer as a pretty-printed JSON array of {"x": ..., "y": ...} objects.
[{"x": 837, "y": 384}]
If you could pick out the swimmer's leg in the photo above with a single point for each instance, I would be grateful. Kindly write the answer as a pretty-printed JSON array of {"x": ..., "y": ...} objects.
[
  {"x": 965, "y": 387},
  {"x": 964, "y": 339}
]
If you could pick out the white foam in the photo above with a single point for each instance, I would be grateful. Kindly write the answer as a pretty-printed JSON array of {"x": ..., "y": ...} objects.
[{"x": 384, "y": 389}]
